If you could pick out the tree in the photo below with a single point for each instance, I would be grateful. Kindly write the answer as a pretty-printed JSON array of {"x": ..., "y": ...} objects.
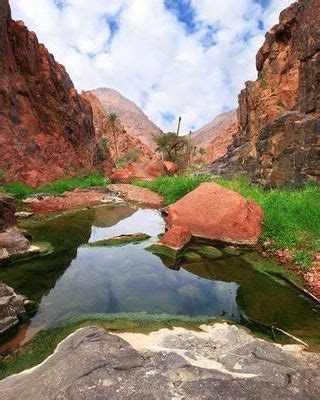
[
  {"x": 112, "y": 122},
  {"x": 171, "y": 145},
  {"x": 202, "y": 151}
]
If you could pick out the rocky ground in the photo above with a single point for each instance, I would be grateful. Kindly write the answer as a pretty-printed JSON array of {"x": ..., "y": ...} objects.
[
  {"x": 43, "y": 204},
  {"x": 219, "y": 362}
]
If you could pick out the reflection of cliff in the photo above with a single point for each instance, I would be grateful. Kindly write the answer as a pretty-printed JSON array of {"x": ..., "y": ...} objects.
[
  {"x": 35, "y": 278},
  {"x": 109, "y": 216},
  {"x": 258, "y": 296}
]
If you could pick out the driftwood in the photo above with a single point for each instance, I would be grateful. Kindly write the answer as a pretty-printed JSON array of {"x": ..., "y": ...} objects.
[
  {"x": 291, "y": 282},
  {"x": 273, "y": 328}
]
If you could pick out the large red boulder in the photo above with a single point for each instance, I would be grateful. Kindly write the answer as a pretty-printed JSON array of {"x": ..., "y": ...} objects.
[
  {"x": 213, "y": 212},
  {"x": 171, "y": 167},
  {"x": 176, "y": 237},
  {"x": 144, "y": 171}
]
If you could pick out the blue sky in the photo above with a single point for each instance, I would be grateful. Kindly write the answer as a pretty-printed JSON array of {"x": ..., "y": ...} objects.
[{"x": 172, "y": 57}]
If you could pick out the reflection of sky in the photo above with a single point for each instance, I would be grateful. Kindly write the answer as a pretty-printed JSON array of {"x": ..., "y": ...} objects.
[
  {"x": 143, "y": 220},
  {"x": 131, "y": 279}
]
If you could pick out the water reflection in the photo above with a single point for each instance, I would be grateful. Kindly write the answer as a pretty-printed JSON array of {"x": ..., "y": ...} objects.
[{"x": 78, "y": 279}]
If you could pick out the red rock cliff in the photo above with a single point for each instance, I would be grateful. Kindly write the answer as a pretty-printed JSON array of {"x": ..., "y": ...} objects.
[
  {"x": 279, "y": 114},
  {"x": 46, "y": 128}
]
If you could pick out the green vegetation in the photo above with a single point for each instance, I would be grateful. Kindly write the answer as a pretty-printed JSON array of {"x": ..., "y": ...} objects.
[
  {"x": 112, "y": 122},
  {"x": 264, "y": 84},
  {"x": 120, "y": 240},
  {"x": 173, "y": 147},
  {"x": 44, "y": 343},
  {"x": 292, "y": 217},
  {"x": 19, "y": 190},
  {"x": 210, "y": 252},
  {"x": 130, "y": 156}
]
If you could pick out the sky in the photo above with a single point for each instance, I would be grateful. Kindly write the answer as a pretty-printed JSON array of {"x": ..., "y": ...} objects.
[{"x": 187, "y": 58}]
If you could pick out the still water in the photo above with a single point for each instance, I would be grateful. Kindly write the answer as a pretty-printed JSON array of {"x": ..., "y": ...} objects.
[{"x": 78, "y": 280}]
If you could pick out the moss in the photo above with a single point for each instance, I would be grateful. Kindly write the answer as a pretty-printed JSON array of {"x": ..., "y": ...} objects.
[
  {"x": 165, "y": 251},
  {"x": 44, "y": 343},
  {"x": 268, "y": 266},
  {"x": 41, "y": 249},
  {"x": 210, "y": 252},
  {"x": 191, "y": 256},
  {"x": 264, "y": 84},
  {"x": 120, "y": 240},
  {"x": 231, "y": 251}
]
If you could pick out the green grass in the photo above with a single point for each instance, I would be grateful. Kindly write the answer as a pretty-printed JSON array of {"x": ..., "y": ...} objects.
[
  {"x": 20, "y": 190},
  {"x": 292, "y": 216}
]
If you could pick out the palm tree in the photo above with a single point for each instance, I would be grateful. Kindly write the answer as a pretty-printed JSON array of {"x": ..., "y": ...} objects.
[{"x": 112, "y": 122}]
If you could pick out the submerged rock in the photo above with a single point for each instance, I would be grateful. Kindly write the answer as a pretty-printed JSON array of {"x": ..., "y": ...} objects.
[
  {"x": 210, "y": 252},
  {"x": 213, "y": 212},
  {"x": 11, "y": 307},
  {"x": 120, "y": 240},
  {"x": 220, "y": 361}
]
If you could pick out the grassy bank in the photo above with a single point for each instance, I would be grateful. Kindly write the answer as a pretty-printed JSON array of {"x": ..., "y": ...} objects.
[
  {"x": 19, "y": 190},
  {"x": 292, "y": 217}
]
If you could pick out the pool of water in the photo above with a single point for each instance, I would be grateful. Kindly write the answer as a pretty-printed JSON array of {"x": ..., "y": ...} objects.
[{"x": 78, "y": 280}]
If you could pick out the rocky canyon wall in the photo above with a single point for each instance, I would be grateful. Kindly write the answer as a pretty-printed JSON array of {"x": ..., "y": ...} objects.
[
  {"x": 46, "y": 128},
  {"x": 278, "y": 139}
]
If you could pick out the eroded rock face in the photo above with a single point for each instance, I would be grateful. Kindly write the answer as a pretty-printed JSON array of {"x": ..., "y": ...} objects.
[
  {"x": 126, "y": 144},
  {"x": 215, "y": 137},
  {"x": 46, "y": 128},
  {"x": 219, "y": 362},
  {"x": 213, "y": 212},
  {"x": 278, "y": 142},
  {"x": 11, "y": 307},
  {"x": 144, "y": 171}
]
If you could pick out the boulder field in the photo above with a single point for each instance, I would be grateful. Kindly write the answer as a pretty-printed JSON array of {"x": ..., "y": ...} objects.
[
  {"x": 217, "y": 362},
  {"x": 212, "y": 212}
]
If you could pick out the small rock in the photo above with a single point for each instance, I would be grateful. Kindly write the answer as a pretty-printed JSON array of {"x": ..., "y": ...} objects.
[
  {"x": 23, "y": 214},
  {"x": 210, "y": 252},
  {"x": 192, "y": 256}
]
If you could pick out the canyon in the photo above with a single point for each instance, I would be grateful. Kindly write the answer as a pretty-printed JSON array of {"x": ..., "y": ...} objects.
[{"x": 214, "y": 278}]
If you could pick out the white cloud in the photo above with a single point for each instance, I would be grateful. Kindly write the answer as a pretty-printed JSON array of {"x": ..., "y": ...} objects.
[{"x": 151, "y": 57}]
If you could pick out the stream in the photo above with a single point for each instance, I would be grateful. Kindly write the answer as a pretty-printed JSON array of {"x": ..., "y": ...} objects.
[{"x": 77, "y": 280}]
